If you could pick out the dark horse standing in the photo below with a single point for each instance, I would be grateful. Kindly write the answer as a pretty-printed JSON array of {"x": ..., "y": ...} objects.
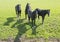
[
  {"x": 26, "y": 10},
  {"x": 18, "y": 10},
  {"x": 32, "y": 16},
  {"x": 43, "y": 13}
]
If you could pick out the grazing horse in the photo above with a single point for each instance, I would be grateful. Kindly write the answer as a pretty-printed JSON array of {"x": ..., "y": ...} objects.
[
  {"x": 18, "y": 10},
  {"x": 26, "y": 10},
  {"x": 43, "y": 13},
  {"x": 32, "y": 16}
]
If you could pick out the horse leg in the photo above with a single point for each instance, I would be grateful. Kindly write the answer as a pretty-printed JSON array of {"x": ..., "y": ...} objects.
[
  {"x": 25, "y": 16},
  {"x": 20, "y": 13},
  {"x": 28, "y": 18},
  {"x": 17, "y": 15},
  {"x": 43, "y": 19},
  {"x": 32, "y": 22},
  {"x": 38, "y": 16}
]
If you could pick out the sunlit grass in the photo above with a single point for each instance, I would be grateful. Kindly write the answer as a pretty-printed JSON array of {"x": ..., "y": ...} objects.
[{"x": 51, "y": 24}]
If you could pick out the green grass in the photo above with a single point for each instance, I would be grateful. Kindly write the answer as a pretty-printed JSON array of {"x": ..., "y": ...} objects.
[{"x": 8, "y": 19}]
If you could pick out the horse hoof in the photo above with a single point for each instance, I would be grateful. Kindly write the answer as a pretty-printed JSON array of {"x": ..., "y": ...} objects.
[
  {"x": 34, "y": 27},
  {"x": 15, "y": 26}
]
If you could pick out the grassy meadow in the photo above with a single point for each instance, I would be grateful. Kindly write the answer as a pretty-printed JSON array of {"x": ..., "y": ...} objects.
[{"x": 8, "y": 19}]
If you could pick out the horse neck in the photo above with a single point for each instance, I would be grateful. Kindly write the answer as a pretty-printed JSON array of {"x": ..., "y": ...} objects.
[
  {"x": 34, "y": 12},
  {"x": 47, "y": 12}
]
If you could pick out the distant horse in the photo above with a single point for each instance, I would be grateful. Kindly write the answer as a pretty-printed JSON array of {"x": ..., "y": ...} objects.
[
  {"x": 18, "y": 10},
  {"x": 43, "y": 13},
  {"x": 32, "y": 16},
  {"x": 26, "y": 9}
]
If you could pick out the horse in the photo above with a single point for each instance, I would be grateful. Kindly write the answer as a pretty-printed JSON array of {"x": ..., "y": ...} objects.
[
  {"x": 43, "y": 13},
  {"x": 26, "y": 9},
  {"x": 18, "y": 10},
  {"x": 32, "y": 15}
]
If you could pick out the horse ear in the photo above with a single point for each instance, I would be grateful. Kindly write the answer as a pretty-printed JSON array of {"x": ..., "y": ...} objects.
[{"x": 36, "y": 12}]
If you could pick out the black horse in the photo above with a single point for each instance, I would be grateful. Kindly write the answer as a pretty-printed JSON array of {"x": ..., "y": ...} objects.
[
  {"x": 18, "y": 10},
  {"x": 32, "y": 15},
  {"x": 26, "y": 9},
  {"x": 43, "y": 13}
]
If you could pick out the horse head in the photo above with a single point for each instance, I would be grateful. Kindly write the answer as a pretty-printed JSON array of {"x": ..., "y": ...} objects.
[{"x": 48, "y": 12}]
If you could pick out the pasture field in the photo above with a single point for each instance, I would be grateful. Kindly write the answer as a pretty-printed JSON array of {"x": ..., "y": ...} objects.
[{"x": 8, "y": 19}]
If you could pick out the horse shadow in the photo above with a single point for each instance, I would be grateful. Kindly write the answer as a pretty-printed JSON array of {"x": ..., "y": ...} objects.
[
  {"x": 21, "y": 30},
  {"x": 9, "y": 20},
  {"x": 21, "y": 26}
]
